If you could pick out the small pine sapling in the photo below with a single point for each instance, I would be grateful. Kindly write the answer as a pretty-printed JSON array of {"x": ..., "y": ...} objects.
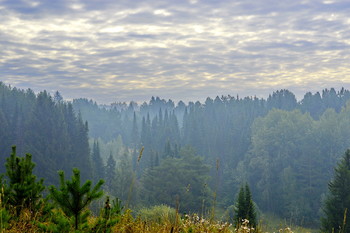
[
  {"x": 73, "y": 198},
  {"x": 110, "y": 215},
  {"x": 23, "y": 191}
]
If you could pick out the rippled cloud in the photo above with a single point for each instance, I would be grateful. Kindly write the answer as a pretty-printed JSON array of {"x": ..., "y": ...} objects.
[{"x": 187, "y": 49}]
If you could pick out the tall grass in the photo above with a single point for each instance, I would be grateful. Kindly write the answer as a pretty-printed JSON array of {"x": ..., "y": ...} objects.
[{"x": 4, "y": 214}]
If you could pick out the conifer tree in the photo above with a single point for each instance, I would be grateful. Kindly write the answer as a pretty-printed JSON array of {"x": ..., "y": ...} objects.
[
  {"x": 111, "y": 174},
  {"x": 23, "y": 191},
  {"x": 337, "y": 204},
  {"x": 97, "y": 162},
  {"x": 245, "y": 207},
  {"x": 146, "y": 131},
  {"x": 74, "y": 198},
  {"x": 240, "y": 207},
  {"x": 124, "y": 177},
  {"x": 156, "y": 160},
  {"x": 135, "y": 131},
  {"x": 168, "y": 151},
  {"x": 57, "y": 97},
  {"x": 251, "y": 213}
]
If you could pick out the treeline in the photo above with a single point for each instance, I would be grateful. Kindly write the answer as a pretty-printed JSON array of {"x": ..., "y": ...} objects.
[
  {"x": 45, "y": 126},
  {"x": 286, "y": 149}
]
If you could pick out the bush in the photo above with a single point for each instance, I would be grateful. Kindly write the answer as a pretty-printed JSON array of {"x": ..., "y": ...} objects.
[{"x": 158, "y": 214}]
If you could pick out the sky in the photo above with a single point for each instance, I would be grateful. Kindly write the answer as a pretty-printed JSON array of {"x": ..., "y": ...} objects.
[{"x": 123, "y": 50}]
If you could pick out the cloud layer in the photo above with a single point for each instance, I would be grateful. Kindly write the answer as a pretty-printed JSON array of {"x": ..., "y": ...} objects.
[{"x": 188, "y": 49}]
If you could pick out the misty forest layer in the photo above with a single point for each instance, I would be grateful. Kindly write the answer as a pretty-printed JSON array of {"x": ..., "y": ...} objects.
[{"x": 284, "y": 149}]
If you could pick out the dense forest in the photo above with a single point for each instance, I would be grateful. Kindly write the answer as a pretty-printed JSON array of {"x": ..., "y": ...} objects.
[
  {"x": 286, "y": 149},
  {"x": 46, "y": 127},
  {"x": 192, "y": 155}
]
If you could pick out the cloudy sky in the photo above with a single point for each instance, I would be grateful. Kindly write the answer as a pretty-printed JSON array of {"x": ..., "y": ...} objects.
[{"x": 122, "y": 50}]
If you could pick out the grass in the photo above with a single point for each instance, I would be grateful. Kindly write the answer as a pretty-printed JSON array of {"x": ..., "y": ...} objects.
[
  {"x": 127, "y": 223},
  {"x": 272, "y": 223}
]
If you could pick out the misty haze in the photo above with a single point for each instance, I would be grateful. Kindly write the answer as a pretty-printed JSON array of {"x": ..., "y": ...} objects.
[{"x": 174, "y": 116}]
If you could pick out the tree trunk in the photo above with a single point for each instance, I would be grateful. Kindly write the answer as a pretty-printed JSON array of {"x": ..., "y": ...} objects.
[{"x": 76, "y": 221}]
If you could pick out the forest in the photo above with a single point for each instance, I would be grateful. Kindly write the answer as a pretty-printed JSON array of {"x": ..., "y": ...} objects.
[{"x": 191, "y": 157}]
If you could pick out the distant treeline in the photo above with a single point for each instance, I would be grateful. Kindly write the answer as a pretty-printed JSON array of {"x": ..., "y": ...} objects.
[{"x": 286, "y": 149}]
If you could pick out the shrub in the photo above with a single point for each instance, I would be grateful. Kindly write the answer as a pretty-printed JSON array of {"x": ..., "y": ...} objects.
[{"x": 158, "y": 214}]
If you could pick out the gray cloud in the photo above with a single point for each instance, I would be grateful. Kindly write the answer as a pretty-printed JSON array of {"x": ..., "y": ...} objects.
[{"x": 130, "y": 50}]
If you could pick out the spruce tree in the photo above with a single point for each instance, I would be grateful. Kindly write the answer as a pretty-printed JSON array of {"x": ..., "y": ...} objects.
[
  {"x": 135, "y": 132},
  {"x": 168, "y": 151},
  {"x": 244, "y": 208},
  {"x": 23, "y": 190},
  {"x": 337, "y": 204},
  {"x": 74, "y": 198},
  {"x": 97, "y": 162},
  {"x": 240, "y": 207},
  {"x": 111, "y": 173},
  {"x": 251, "y": 213}
]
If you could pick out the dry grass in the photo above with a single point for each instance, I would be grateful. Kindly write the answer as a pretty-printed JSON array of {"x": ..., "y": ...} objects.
[{"x": 130, "y": 224}]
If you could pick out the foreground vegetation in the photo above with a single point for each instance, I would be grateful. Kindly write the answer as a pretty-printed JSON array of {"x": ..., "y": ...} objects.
[
  {"x": 66, "y": 208},
  {"x": 127, "y": 223}
]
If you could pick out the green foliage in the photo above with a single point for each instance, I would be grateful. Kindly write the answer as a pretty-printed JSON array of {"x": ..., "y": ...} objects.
[
  {"x": 110, "y": 170},
  {"x": 124, "y": 179},
  {"x": 114, "y": 210},
  {"x": 287, "y": 156},
  {"x": 97, "y": 162},
  {"x": 110, "y": 216},
  {"x": 337, "y": 204},
  {"x": 4, "y": 218},
  {"x": 244, "y": 208},
  {"x": 182, "y": 180},
  {"x": 23, "y": 191},
  {"x": 45, "y": 127},
  {"x": 57, "y": 223},
  {"x": 284, "y": 165},
  {"x": 158, "y": 214},
  {"x": 73, "y": 198}
]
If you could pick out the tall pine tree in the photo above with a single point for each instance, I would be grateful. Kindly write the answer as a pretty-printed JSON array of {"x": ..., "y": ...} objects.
[
  {"x": 97, "y": 162},
  {"x": 111, "y": 173}
]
